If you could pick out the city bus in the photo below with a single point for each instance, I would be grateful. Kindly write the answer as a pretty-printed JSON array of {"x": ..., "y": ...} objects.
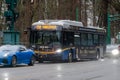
[{"x": 66, "y": 40}]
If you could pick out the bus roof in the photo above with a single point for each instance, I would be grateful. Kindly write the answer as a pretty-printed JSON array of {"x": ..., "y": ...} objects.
[
  {"x": 64, "y": 24},
  {"x": 59, "y": 22}
]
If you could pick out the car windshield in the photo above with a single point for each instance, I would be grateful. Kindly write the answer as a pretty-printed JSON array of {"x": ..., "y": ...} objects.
[
  {"x": 112, "y": 46},
  {"x": 8, "y": 48}
]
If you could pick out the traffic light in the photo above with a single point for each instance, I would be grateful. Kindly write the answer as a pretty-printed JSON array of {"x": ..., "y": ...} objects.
[
  {"x": 8, "y": 1},
  {"x": 11, "y": 4},
  {"x": 11, "y": 1},
  {"x": 11, "y": 15},
  {"x": 8, "y": 13}
]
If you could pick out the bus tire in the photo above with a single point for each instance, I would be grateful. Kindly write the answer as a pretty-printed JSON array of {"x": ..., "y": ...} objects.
[
  {"x": 40, "y": 60},
  {"x": 77, "y": 58},
  {"x": 97, "y": 57},
  {"x": 70, "y": 57}
]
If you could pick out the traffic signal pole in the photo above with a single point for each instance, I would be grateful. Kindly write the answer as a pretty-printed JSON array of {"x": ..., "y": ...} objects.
[
  {"x": 10, "y": 14},
  {"x": 77, "y": 14},
  {"x": 109, "y": 19},
  {"x": 10, "y": 36},
  {"x": 108, "y": 29}
]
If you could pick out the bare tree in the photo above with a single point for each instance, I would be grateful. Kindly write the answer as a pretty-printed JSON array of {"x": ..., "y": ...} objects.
[
  {"x": 103, "y": 8},
  {"x": 115, "y": 4},
  {"x": 62, "y": 9},
  {"x": 25, "y": 18}
]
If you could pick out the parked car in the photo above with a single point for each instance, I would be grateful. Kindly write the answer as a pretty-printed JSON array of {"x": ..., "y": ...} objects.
[
  {"x": 113, "y": 50},
  {"x": 16, "y": 54}
]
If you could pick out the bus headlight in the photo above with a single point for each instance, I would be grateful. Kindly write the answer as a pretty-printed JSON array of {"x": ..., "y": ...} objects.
[
  {"x": 115, "y": 52},
  {"x": 58, "y": 51}
]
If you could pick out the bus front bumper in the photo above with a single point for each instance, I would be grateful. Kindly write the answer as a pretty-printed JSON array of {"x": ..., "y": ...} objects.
[{"x": 50, "y": 57}]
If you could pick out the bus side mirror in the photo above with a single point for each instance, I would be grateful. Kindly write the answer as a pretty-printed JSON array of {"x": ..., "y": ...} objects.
[{"x": 25, "y": 31}]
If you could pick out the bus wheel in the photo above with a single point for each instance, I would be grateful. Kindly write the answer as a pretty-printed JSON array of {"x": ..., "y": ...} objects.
[
  {"x": 70, "y": 57},
  {"x": 41, "y": 60},
  {"x": 77, "y": 57},
  {"x": 97, "y": 55}
]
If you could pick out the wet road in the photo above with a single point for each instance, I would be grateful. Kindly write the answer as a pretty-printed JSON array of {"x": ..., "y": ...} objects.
[{"x": 107, "y": 69}]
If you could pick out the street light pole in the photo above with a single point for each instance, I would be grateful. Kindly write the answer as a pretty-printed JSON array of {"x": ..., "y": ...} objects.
[
  {"x": 109, "y": 19},
  {"x": 46, "y": 15},
  {"x": 108, "y": 29},
  {"x": 10, "y": 35},
  {"x": 77, "y": 11}
]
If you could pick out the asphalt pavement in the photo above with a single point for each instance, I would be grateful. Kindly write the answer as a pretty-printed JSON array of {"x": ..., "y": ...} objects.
[{"x": 104, "y": 69}]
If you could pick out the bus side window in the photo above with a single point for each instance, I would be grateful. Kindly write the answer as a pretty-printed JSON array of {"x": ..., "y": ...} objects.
[
  {"x": 68, "y": 38},
  {"x": 64, "y": 39},
  {"x": 101, "y": 39},
  {"x": 95, "y": 39},
  {"x": 84, "y": 39},
  {"x": 77, "y": 39},
  {"x": 90, "y": 39}
]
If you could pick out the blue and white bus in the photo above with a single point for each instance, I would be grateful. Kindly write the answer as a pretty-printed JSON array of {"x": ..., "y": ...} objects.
[{"x": 66, "y": 40}]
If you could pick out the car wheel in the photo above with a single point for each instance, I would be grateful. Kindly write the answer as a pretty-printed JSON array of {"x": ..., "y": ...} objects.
[
  {"x": 70, "y": 57},
  {"x": 32, "y": 61},
  {"x": 13, "y": 61}
]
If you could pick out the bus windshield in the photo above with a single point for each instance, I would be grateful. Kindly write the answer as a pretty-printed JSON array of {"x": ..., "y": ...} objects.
[{"x": 45, "y": 37}]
